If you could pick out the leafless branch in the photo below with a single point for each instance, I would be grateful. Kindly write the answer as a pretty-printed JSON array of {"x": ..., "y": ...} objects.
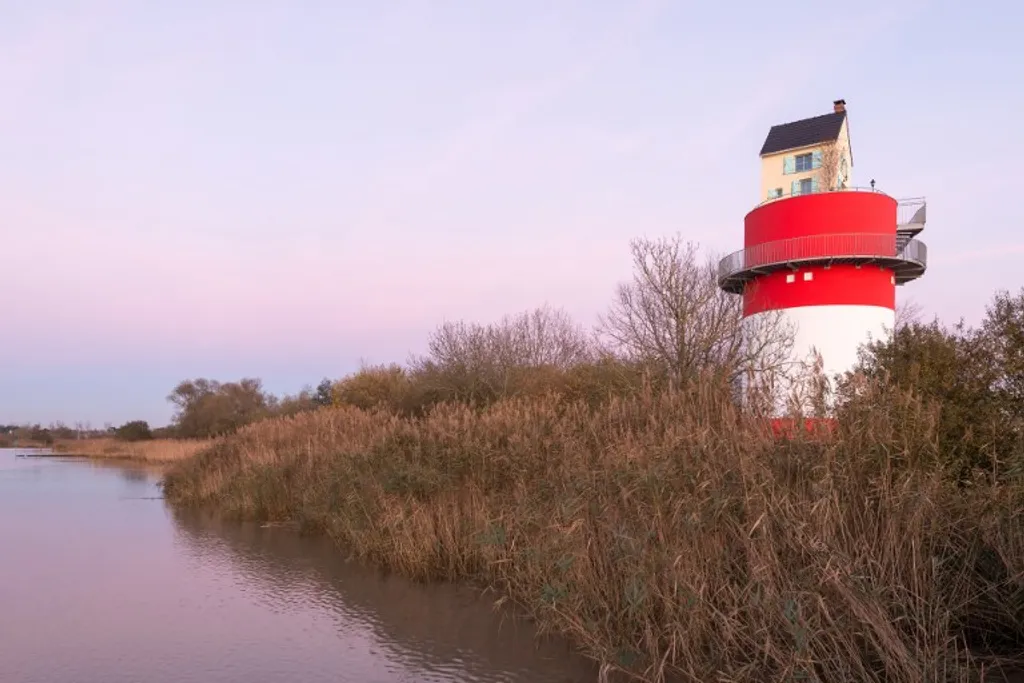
[
  {"x": 828, "y": 173},
  {"x": 907, "y": 313},
  {"x": 673, "y": 314},
  {"x": 473, "y": 360}
]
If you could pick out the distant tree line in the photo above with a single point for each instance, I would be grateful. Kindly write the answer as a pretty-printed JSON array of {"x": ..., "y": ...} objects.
[
  {"x": 669, "y": 324},
  {"x": 204, "y": 408},
  {"x": 39, "y": 435}
]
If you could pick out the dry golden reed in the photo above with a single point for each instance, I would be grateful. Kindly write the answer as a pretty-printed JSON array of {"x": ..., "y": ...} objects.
[
  {"x": 667, "y": 534},
  {"x": 152, "y": 451}
]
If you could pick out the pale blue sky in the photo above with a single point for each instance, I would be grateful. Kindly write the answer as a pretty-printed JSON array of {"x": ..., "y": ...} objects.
[{"x": 280, "y": 189}]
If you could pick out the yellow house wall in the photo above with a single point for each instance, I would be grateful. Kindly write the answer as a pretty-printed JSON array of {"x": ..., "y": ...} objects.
[{"x": 772, "y": 166}]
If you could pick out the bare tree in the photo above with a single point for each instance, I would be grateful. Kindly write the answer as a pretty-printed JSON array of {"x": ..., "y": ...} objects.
[
  {"x": 545, "y": 337},
  {"x": 907, "y": 313},
  {"x": 473, "y": 361},
  {"x": 674, "y": 314},
  {"x": 829, "y": 171},
  {"x": 542, "y": 337}
]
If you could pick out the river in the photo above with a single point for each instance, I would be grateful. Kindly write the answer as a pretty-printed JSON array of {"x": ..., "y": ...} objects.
[{"x": 101, "y": 581}]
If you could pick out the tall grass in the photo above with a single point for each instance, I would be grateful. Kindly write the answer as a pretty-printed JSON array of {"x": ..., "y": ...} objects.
[
  {"x": 667, "y": 534},
  {"x": 153, "y": 451}
]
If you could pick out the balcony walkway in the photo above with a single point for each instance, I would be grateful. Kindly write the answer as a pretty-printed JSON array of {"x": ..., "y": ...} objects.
[{"x": 907, "y": 258}]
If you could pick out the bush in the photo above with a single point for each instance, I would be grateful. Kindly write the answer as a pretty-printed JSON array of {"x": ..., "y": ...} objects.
[
  {"x": 136, "y": 430},
  {"x": 381, "y": 386},
  {"x": 168, "y": 432},
  {"x": 971, "y": 379},
  {"x": 206, "y": 408},
  {"x": 41, "y": 435}
]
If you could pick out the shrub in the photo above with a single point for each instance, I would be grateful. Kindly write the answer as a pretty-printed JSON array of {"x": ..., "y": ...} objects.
[
  {"x": 969, "y": 379},
  {"x": 206, "y": 408},
  {"x": 382, "y": 386},
  {"x": 136, "y": 430},
  {"x": 40, "y": 435}
]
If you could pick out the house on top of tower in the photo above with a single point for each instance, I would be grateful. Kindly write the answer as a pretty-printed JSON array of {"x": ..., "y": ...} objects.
[{"x": 810, "y": 155}]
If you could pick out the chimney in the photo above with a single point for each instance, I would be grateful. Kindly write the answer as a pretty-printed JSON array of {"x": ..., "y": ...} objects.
[{"x": 839, "y": 106}]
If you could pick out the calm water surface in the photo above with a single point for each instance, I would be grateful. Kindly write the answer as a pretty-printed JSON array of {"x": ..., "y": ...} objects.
[{"x": 100, "y": 581}]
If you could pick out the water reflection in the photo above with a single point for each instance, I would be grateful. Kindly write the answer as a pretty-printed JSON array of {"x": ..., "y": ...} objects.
[
  {"x": 99, "y": 581},
  {"x": 443, "y": 630},
  {"x": 133, "y": 475}
]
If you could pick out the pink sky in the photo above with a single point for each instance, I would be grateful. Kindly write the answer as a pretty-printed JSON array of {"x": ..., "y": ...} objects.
[{"x": 193, "y": 190}]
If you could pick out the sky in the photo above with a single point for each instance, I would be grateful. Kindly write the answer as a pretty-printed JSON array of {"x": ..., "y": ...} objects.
[{"x": 287, "y": 190}]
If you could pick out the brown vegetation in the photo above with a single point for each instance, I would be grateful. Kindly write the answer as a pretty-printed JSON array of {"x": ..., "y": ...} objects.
[
  {"x": 25, "y": 436},
  {"x": 152, "y": 451},
  {"x": 617, "y": 489},
  {"x": 207, "y": 408},
  {"x": 666, "y": 533},
  {"x": 8, "y": 441}
]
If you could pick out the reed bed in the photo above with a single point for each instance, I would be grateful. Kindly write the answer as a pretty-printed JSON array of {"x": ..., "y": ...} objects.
[
  {"x": 151, "y": 451},
  {"x": 668, "y": 535}
]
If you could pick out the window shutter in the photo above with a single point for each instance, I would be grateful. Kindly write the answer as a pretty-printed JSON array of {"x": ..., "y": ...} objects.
[
  {"x": 814, "y": 184},
  {"x": 795, "y": 188},
  {"x": 816, "y": 159},
  {"x": 788, "y": 165}
]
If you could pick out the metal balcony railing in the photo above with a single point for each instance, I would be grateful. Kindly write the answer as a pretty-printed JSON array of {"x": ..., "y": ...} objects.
[
  {"x": 910, "y": 212},
  {"x": 907, "y": 260},
  {"x": 787, "y": 195},
  {"x": 915, "y": 251}
]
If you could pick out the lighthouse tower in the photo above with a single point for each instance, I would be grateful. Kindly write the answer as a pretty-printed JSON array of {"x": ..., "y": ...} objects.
[{"x": 827, "y": 254}]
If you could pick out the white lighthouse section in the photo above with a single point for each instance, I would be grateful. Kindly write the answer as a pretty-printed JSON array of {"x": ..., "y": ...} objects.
[{"x": 837, "y": 332}]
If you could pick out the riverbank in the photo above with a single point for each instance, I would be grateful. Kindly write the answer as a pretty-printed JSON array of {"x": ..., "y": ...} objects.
[
  {"x": 157, "y": 451},
  {"x": 664, "y": 534},
  {"x": 7, "y": 441}
]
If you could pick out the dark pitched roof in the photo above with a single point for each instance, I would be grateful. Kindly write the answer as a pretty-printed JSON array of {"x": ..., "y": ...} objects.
[{"x": 803, "y": 133}]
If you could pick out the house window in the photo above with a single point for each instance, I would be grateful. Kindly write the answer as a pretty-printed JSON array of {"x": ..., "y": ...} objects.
[
  {"x": 804, "y": 162},
  {"x": 775, "y": 194},
  {"x": 806, "y": 185}
]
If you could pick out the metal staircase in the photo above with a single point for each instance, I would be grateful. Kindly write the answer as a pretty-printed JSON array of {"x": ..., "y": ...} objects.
[{"x": 910, "y": 219}]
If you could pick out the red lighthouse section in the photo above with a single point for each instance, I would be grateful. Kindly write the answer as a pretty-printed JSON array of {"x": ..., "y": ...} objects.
[
  {"x": 838, "y": 285},
  {"x": 821, "y": 213},
  {"x": 846, "y": 243}
]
